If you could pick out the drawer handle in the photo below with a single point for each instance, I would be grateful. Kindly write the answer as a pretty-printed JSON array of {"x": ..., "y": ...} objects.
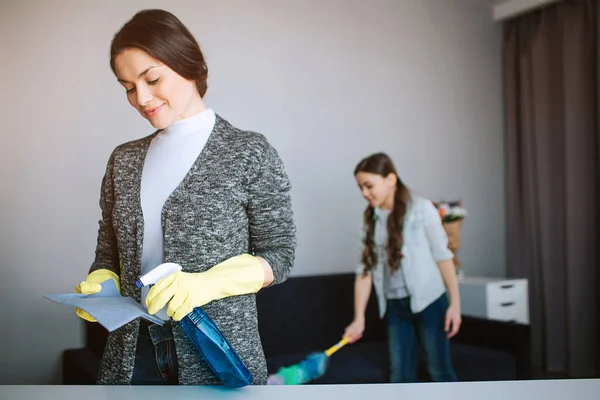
[
  {"x": 507, "y": 286},
  {"x": 507, "y": 304}
]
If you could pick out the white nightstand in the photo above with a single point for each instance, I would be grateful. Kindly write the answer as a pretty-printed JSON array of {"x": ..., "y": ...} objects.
[{"x": 495, "y": 298}]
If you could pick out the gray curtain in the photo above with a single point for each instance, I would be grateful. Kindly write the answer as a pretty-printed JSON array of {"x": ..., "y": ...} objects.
[{"x": 551, "y": 80}]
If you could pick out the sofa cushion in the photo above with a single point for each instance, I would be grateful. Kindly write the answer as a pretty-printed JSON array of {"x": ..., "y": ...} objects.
[
  {"x": 80, "y": 367},
  {"x": 308, "y": 313},
  {"x": 473, "y": 363},
  {"x": 95, "y": 338},
  {"x": 506, "y": 338}
]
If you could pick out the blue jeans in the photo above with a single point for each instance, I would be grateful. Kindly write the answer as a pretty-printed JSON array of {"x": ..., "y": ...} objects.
[
  {"x": 155, "y": 357},
  {"x": 407, "y": 330}
]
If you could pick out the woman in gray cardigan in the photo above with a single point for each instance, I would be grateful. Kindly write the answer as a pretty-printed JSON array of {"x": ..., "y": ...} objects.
[{"x": 197, "y": 192}]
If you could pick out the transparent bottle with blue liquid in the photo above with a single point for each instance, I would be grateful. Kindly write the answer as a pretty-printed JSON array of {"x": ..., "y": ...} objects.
[{"x": 209, "y": 342}]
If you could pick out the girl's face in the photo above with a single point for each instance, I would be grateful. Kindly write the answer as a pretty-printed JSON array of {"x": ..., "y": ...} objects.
[
  {"x": 160, "y": 95},
  {"x": 378, "y": 190}
]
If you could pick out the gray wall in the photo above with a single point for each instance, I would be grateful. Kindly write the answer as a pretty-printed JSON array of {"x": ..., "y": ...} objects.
[{"x": 326, "y": 82}]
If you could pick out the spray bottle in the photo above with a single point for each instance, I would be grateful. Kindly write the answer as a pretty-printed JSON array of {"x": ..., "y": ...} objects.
[{"x": 210, "y": 344}]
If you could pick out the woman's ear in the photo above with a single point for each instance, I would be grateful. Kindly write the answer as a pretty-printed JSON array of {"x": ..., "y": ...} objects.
[{"x": 391, "y": 179}]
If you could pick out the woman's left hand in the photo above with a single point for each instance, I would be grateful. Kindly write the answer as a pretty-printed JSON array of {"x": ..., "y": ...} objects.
[{"x": 453, "y": 320}]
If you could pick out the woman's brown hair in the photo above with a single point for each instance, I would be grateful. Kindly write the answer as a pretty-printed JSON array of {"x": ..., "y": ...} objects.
[
  {"x": 381, "y": 164},
  {"x": 164, "y": 37}
]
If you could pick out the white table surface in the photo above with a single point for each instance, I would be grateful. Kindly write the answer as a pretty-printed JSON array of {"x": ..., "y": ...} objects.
[{"x": 583, "y": 389}]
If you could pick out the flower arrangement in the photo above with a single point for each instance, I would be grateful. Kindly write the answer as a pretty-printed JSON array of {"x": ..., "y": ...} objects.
[
  {"x": 451, "y": 211},
  {"x": 452, "y": 214}
]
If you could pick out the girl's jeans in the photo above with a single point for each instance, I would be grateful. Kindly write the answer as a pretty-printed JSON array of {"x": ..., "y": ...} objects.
[{"x": 407, "y": 330}]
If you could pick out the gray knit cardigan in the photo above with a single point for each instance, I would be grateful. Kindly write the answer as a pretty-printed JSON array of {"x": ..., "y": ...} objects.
[{"x": 234, "y": 199}]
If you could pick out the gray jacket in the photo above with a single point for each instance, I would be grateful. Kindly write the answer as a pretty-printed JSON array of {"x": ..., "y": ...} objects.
[{"x": 235, "y": 199}]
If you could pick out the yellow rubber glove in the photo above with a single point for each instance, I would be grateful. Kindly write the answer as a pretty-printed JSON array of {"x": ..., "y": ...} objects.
[
  {"x": 238, "y": 275},
  {"x": 92, "y": 285}
]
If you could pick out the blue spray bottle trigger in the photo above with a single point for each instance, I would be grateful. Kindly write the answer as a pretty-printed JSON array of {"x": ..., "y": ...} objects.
[{"x": 162, "y": 271}]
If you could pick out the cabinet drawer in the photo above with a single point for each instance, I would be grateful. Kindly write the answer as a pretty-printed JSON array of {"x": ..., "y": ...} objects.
[
  {"x": 509, "y": 311},
  {"x": 499, "y": 293},
  {"x": 495, "y": 298}
]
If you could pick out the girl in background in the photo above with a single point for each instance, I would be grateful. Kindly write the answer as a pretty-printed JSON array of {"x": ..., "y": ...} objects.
[{"x": 407, "y": 260}]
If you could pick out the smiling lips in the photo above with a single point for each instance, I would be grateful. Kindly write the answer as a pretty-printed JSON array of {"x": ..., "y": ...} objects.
[{"x": 151, "y": 112}]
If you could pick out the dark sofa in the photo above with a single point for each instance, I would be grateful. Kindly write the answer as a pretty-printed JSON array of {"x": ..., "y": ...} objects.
[{"x": 307, "y": 314}]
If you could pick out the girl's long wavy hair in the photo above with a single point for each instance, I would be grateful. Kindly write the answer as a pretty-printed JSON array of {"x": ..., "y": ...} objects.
[{"x": 381, "y": 164}]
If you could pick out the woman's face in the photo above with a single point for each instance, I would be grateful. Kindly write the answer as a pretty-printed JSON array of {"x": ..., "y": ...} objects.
[
  {"x": 160, "y": 95},
  {"x": 376, "y": 189}
]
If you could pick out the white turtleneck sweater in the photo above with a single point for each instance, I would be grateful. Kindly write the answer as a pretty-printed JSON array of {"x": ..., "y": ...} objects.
[{"x": 170, "y": 156}]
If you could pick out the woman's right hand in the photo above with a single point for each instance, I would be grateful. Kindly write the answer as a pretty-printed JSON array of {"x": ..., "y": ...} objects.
[{"x": 355, "y": 330}]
